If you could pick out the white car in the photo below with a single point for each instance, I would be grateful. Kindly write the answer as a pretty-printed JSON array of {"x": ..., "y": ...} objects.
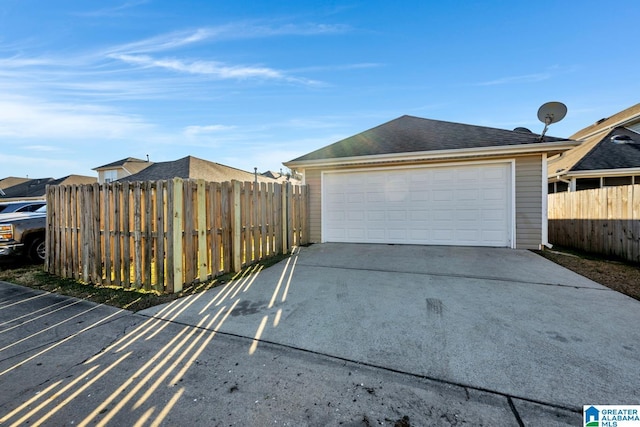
[{"x": 7, "y": 209}]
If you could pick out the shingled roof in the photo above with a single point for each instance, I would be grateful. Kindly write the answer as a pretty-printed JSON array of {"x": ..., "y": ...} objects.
[
  {"x": 597, "y": 152},
  {"x": 607, "y": 155},
  {"x": 408, "y": 134},
  {"x": 193, "y": 168},
  {"x": 37, "y": 187},
  {"x": 122, "y": 162}
]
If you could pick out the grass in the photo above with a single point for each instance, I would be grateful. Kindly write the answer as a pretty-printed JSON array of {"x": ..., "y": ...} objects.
[
  {"x": 621, "y": 276},
  {"x": 33, "y": 276},
  {"x": 617, "y": 274}
]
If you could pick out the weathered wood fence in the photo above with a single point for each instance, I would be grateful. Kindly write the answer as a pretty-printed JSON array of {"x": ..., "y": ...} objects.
[
  {"x": 604, "y": 220},
  {"x": 161, "y": 235}
]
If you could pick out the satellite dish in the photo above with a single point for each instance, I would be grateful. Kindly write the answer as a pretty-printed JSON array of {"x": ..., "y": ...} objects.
[
  {"x": 622, "y": 139},
  {"x": 522, "y": 130},
  {"x": 551, "y": 112}
]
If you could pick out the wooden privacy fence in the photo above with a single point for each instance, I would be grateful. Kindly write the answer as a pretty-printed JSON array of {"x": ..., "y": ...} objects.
[
  {"x": 161, "y": 235},
  {"x": 604, "y": 220}
]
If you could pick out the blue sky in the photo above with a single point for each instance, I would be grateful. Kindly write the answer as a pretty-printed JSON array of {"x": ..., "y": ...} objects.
[{"x": 256, "y": 83}]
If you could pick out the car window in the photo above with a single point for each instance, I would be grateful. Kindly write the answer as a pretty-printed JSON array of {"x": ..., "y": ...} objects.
[{"x": 30, "y": 208}]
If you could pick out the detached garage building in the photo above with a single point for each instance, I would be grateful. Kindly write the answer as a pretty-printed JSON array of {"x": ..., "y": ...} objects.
[{"x": 421, "y": 181}]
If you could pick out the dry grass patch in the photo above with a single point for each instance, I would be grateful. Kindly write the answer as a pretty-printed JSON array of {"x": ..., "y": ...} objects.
[
  {"x": 33, "y": 276},
  {"x": 618, "y": 275}
]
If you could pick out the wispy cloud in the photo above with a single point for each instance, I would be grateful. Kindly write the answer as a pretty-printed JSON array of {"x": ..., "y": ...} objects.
[
  {"x": 113, "y": 11},
  {"x": 21, "y": 62},
  {"x": 40, "y": 148},
  {"x": 527, "y": 78},
  {"x": 208, "y": 129},
  {"x": 339, "y": 67},
  {"x": 24, "y": 118},
  {"x": 212, "y": 69},
  {"x": 163, "y": 42},
  {"x": 39, "y": 167},
  {"x": 232, "y": 31}
]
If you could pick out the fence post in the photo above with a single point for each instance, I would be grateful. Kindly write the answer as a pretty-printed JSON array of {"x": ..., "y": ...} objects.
[
  {"x": 86, "y": 231},
  {"x": 305, "y": 215},
  {"x": 176, "y": 218},
  {"x": 236, "y": 227},
  {"x": 201, "y": 197},
  {"x": 285, "y": 218}
]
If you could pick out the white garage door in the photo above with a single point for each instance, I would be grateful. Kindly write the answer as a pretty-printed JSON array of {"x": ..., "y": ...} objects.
[{"x": 461, "y": 205}]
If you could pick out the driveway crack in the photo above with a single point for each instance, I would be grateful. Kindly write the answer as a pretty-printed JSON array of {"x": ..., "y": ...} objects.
[{"x": 461, "y": 276}]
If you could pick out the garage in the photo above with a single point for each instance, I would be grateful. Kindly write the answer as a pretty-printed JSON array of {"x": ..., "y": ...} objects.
[
  {"x": 465, "y": 204},
  {"x": 429, "y": 182}
]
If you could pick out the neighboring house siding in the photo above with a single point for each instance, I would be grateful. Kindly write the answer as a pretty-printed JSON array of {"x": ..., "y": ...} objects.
[
  {"x": 528, "y": 202},
  {"x": 313, "y": 181}
]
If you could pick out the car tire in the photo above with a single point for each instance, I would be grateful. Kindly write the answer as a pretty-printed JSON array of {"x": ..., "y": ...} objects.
[{"x": 37, "y": 250}]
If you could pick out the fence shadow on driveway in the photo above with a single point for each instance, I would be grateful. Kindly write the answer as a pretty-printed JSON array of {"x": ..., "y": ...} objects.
[{"x": 139, "y": 376}]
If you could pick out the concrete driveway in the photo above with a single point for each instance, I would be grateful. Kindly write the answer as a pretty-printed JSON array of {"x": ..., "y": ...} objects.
[
  {"x": 348, "y": 335},
  {"x": 498, "y": 320}
]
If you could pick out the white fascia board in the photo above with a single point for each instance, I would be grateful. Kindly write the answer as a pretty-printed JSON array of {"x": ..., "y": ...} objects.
[
  {"x": 543, "y": 147},
  {"x": 603, "y": 172},
  {"x": 634, "y": 120}
]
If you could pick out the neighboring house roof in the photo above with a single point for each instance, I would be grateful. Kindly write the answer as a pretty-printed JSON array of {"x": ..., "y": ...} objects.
[
  {"x": 623, "y": 118},
  {"x": 37, "y": 187},
  {"x": 281, "y": 177},
  {"x": 408, "y": 134},
  {"x": 193, "y": 168},
  {"x": 608, "y": 155},
  {"x": 597, "y": 152},
  {"x": 29, "y": 188},
  {"x": 272, "y": 174},
  {"x": 120, "y": 163},
  {"x": 130, "y": 165},
  {"x": 10, "y": 181},
  {"x": 75, "y": 180}
]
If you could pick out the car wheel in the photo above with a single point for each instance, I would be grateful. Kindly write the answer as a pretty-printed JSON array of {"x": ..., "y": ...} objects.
[{"x": 37, "y": 250}]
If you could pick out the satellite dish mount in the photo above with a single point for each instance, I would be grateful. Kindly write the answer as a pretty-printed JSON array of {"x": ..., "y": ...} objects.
[{"x": 551, "y": 112}]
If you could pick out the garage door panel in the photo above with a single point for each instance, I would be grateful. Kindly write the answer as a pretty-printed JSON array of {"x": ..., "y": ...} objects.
[
  {"x": 355, "y": 215},
  {"x": 442, "y": 195},
  {"x": 463, "y": 205}
]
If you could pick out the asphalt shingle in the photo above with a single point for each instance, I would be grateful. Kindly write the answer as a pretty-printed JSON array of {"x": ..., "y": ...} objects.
[
  {"x": 409, "y": 134},
  {"x": 193, "y": 168},
  {"x": 608, "y": 155}
]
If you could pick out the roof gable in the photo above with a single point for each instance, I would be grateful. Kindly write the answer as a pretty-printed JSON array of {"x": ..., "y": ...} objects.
[
  {"x": 193, "y": 168},
  {"x": 121, "y": 163},
  {"x": 30, "y": 188},
  {"x": 408, "y": 134},
  {"x": 10, "y": 181},
  {"x": 596, "y": 152},
  {"x": 623, "y": 118},
  {"x": 607, "y": 155}
]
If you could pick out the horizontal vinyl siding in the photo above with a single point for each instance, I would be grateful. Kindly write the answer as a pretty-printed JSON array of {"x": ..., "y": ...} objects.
[
  {"x": 313, "y": 181},
  {"x": 529, "y": 202}
]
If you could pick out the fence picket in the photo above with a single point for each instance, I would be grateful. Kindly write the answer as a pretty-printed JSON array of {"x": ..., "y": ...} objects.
[
  {"x": 605, "y": 221},
  {"x": 165, "y": 234}
]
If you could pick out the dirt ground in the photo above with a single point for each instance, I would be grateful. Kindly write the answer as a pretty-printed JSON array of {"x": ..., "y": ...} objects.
[{"x": 617, "y": 275}]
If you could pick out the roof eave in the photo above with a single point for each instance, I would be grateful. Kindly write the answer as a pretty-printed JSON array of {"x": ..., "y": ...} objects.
[
  {"x": 601, "y": 172},
  {"x": 607, "y": 128},
  {"x": 543, "y": 147}
]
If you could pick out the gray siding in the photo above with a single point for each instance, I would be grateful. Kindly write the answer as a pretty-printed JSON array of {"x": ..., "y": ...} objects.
[{"x": 529, "y": 202}]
